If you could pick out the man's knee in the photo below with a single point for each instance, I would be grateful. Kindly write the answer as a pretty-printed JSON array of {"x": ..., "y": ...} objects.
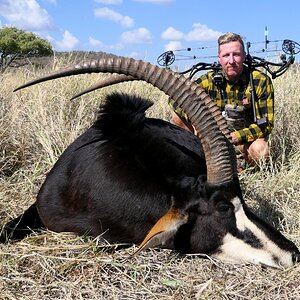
[{"x": 259, "y": 149}]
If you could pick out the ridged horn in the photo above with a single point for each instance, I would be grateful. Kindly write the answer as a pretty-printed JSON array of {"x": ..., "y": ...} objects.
[
  {"x": 117, "y": 78},
  {"x": 219, "y": 152}
]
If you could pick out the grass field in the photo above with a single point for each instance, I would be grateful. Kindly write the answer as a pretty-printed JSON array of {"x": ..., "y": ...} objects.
[{"x": 38, "y": 123}]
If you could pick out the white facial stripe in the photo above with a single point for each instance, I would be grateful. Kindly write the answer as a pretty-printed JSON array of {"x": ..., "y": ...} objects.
[
  {"x": 241, "y": 218},
  {"x": 234, "y": 249},
  {"x": 237, "y": 251}
]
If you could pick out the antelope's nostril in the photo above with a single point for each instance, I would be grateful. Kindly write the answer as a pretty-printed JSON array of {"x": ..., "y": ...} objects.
[{"x": 296, "y": 257}]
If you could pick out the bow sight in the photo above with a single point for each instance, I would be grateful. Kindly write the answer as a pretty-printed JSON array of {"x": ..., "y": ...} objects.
[{"x": 289, "y": 47}]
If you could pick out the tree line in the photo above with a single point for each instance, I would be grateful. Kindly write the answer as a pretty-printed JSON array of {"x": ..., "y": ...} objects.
[{"x": 17, "y": 45}]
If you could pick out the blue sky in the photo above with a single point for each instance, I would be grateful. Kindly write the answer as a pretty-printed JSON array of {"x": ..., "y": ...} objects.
[{"x": 144, "y": 29}]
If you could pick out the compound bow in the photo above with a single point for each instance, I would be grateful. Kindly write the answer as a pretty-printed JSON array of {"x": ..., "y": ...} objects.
[{"x": 289, "y": 47}]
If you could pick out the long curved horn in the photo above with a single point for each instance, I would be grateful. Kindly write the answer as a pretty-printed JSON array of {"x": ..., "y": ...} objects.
[
  {"x": 205, "y": 117},
  {"x": 117, "y": 78}
]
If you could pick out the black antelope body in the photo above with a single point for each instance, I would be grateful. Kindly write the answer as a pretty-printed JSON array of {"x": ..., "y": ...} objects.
[{"x": 140, "y": 180}]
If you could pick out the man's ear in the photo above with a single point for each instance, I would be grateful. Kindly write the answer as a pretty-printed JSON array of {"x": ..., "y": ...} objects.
[{"x": 165, "y": 228}]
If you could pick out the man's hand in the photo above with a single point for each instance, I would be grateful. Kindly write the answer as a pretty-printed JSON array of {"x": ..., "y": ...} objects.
[{"x": 234, "y": 138}]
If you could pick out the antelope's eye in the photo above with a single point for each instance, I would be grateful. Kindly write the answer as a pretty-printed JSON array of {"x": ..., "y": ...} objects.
[{"x": 223, "y": 206}]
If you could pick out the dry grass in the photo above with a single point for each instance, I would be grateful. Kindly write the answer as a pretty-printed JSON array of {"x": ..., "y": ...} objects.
[{"x": 36, "y": 124}]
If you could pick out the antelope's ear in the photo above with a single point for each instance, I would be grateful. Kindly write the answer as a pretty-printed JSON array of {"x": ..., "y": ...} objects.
[{"x": 163, "y": 229}]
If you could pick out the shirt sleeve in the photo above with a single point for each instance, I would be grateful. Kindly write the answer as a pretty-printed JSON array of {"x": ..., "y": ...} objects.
[{"x": 264, "y": 106}]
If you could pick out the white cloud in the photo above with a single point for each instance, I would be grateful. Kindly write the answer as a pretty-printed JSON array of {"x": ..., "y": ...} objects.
[
  {"x": 95, "y": 43},
  {"x": 26, "y": 14},
  {"x": 50, "y": 39},
  {"x": 138, "y": 36},
  {"x": 155, "y": 1},
  {"x": 173, "y": 45},
  {"x": 202, "y": 33},
  {"x": 134, "y": 54},
  {"x": 172, "y": 34},
  {"x": 99, "y": 45},
  {"x": 68, "y": 43},
  {"x": 109, "y": 1},
  {"x": 107, "y": 13}
]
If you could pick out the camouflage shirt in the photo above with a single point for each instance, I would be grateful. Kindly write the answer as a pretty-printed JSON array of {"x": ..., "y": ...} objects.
[{"x": 239, "y": 93}]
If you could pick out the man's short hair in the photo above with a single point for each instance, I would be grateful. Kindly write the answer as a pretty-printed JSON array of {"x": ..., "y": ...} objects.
[{"x": 230, "y": 37}]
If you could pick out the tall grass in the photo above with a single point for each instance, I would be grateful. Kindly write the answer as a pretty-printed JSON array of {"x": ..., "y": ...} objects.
[{"x": 38, "y": 123}]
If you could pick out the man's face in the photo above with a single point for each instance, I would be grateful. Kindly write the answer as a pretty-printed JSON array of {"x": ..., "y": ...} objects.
[{"x": 231, "y": 57}]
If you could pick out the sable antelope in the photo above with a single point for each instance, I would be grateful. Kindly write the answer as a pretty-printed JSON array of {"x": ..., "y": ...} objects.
[{"x": 140, "y": 180}]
